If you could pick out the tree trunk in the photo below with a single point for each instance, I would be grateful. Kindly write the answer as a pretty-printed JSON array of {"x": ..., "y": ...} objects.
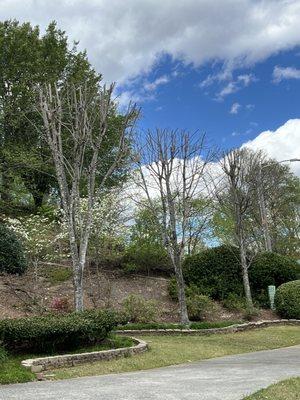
[
  {"x": 246, "y": 282},
  {"x": 78, "y": 286},
  {"x": 184, "y": 318}
]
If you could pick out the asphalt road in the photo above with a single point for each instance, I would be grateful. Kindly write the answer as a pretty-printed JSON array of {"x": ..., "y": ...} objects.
[{"x": 224, "y": 378}]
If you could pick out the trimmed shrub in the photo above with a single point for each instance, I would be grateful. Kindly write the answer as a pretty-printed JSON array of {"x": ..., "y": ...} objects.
[
  {"x": 287, "y": 300},
  {"x": 271, "y": 269},
  {"x": 200, "y": 307},
  {"x": 138, "y": 309},
  {"x": 52, "y": 332},
  {"x": 216, "y": 272},
  {"x": 12, "y": 259}
]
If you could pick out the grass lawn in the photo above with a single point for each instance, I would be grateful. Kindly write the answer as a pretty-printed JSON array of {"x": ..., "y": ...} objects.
[
  {"x": 11, "y": 370},
  {"x": 168, "y": 350},
  {"x": 284, "y": 390}
]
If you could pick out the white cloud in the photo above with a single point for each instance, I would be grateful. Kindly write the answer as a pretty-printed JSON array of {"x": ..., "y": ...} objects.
[
  {"x": 162, "y": 80},
  {"x": 281, "y": 144},
  {"x": 126, "y": 38},
  {"x": 235, "y": 108},
  {"x": 281, "y": 73},
  {"x": 235, "y": 85}
]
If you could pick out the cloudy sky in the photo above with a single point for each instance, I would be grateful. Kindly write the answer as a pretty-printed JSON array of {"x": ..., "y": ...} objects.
[{"x": 230, "y": 68}]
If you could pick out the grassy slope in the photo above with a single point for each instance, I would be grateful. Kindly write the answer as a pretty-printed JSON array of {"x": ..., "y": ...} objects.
[
  {"x": 168, "y": 350},
  {"x": 284, "y": 390}
]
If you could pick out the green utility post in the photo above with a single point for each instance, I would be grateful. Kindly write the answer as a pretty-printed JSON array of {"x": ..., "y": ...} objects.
[{"x": 271, "y": 292}]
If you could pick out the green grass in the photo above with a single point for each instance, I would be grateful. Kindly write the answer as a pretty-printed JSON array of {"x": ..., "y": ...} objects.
[
  {"x": 284, "y": 390},
  {"x": 11, "y": 370},
  {"x": 193, "y": 325},
  {"x": 168, "y": 350}
]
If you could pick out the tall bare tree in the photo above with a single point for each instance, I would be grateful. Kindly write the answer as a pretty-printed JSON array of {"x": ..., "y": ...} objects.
[
  {"x": 75, "y": 126},
  {"x": 170, "y": 167},
  {"x": 240, "y": 167}
]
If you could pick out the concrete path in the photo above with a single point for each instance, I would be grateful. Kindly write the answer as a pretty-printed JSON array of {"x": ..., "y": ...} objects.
[{"x": 224, "y": 378}]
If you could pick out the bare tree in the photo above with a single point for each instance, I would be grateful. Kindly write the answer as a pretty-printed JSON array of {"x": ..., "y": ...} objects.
[
  {"x": 240, "y": 167},
  {"x": 75, "y": 127},
  {"x": 170, "y": 167}
]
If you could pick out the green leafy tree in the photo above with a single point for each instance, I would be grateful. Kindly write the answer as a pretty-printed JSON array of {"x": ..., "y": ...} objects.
[{"x": 28, "y": 59}]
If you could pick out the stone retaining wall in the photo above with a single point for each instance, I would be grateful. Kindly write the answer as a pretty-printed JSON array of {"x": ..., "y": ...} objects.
[
  {"x": 202, "y": 332},
  {"x": 69, "y": 360}
]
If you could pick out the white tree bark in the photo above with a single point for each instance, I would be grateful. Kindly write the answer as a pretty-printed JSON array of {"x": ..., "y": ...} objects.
[{"x": 75, "y": 122}]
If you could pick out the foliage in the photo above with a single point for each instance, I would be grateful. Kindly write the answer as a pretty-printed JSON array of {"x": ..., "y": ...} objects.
[
  {"x": 163, "y": 325},
  {"x": 138, "y": 309},
  {"x": 28, "y": 175},
  {"x": 43, "y": 237},
  {"x": 146, "y": 257},
  {"x": 146, "y": 250},
  {"x": 60, "y": 304},
  {"x": 234, "y": 303},
  {"x": 271, "y": 269},
  {"x": 215, "y": 271},
  {"x": 287, "y": 300},
  {"x": 56, "y": 274},
  {"x": 173, "y": 289},
  {"x": 12, "y": 259},
  {"x": 3, "y": 354},
  {"x": 200, "y": 307},
  {"x": 52, "y": 332}
]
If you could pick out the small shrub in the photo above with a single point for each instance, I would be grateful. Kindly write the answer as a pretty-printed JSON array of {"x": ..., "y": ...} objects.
[
  {"x": 56, "y": 332},
  {"x": 130, "y": 268},
  {"x": 172, "y": 288},
  {"x": 60, "y": 305},
  {"x": 200, "y": 307},
  {"x": 251, "y": 313},
  {"x": 287, "y": 300},
  {"x": 57, "y": 274},
  {"x": 234, "y": 302},
  {"x": 138, "y": 309},
  {"x": 12, "y": 259},
  {"x": 270, "y": 269}
]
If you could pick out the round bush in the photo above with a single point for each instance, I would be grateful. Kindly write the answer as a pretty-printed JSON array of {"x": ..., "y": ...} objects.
[
  {"x": 287, "y": 300},
  {"x": 200, "y": 307},
  {"x": 12, "y": 259},
  {"x": 271, "y": 269},
  {"x": 216, "y": 272}
]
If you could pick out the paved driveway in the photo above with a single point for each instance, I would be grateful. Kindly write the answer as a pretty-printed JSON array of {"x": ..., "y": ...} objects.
[{"x": 224, "y": 378}]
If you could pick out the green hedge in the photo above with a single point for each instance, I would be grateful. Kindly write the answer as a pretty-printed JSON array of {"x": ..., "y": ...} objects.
[
  {"x": 52, "y": 333},
  {"x": 270, "y": 269},
  {"x": 287, "y": 300},
  {"x": 216, "y": 272},
  {"x": 12, "y": 259},
  {"x": 163, "y": 325}
]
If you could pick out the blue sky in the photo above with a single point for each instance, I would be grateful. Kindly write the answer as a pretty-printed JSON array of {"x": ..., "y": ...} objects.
[
  {"x": 182, "y": 100},
  {"x": 188, "y": 63}
]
